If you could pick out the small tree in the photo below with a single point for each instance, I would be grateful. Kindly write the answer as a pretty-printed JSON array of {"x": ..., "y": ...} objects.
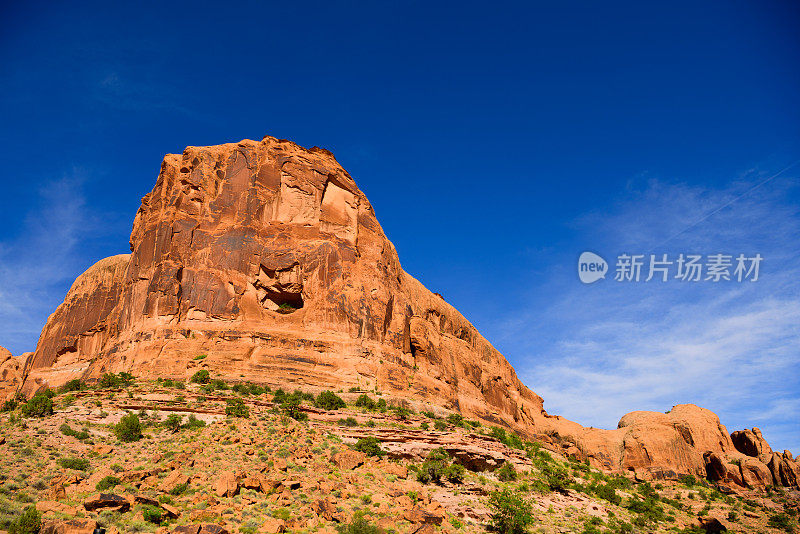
[
  {"x": 173, "y": 422},
  {"x": 201, "y": 377},
  {"x": 506, "y": 473},
  {"x": 328, "y": 400},
  {"x": 30, "y": 522},
  {"x": 511, "y": 514},
  {"x": 369, "y": 446},
  {"x": 291, "y": 408},
  {"x": 237, "y": 408},
  {"x": 38, "y": 406},
  {"x": 129, "y": 428},
  {"x": 364, "y": 401}
]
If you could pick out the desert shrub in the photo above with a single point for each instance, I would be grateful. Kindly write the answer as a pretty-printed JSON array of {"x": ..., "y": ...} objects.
[
  {"x": 69, "y": 431},
  {"x": 556, "y": 476},
  {"x": 110, "y": 380},
  {"x": 107, "y": 482},
  {"x": 455, "y": 419},
  {"x": 39, "y": 406},
  {"x": 689, "y": 481},
  {"x": 78, "y": 464},
  {"x": 510, "y": 513},
  {"x": 424, "y": 425},
  {"x": 369, "y": 446},
  {"x": 73, "y": 385},
  {"x": 781, "y": 521},
  {"x": 439, "y": 425},
  {"x": 435, "y": 467},
  {"x": 402, "y": 412},
  {"x": 193, "y": 422},
  {"x": 237, "y": 408},
  {"x": 200, "y": 357},
  {"x": 151, "y": 514},
  {"x": 201, "y": 377},
  {"x": 179, "y": 489},
  {"x": 648, "y": 510},
  {"x": 358, "y": 525},
  {"x": 349, "y": 421},
  {"x": 607, "y": 492},
  {"x": 129, "y": 428},
  {"x": 291, "y": 408},
  {"x": 9, "y": 405},
  {"x": 328, "y": 400},
  {"x": 455, "y": 473},
  {"x": 381, "y": 405},
  {"x": 29, "y": 522},
  {"x": 173, "y": 422},
  {"x": 506, "y": 472},
  {"x": 509, "y": 439},
  {"x": 364, "y": 401}
]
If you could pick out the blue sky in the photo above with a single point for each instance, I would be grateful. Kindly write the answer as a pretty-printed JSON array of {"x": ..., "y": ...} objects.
[{"x": 496, "y": 141}]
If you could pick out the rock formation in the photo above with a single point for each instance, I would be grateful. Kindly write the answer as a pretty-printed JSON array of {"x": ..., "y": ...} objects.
[{"x": 264, "y": 262}]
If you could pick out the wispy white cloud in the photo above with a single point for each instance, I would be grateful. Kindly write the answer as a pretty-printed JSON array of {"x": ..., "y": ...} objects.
[
  {"x": 597, "y": 352},
  {"x": 39, "y": 264}
]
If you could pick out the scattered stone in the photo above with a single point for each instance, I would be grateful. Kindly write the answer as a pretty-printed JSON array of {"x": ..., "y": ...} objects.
[
  {"x": 348, "y": 459},
  {"x": 70, "y": 526},
  {"x": 107, "y": 501}
]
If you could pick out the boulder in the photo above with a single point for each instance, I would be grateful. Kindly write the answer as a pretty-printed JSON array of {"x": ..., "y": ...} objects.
[
  {"x": 719, "y": 470},
  {"x": 107, "y": 501},
  {"x": 70, "y": 526},
  {"x": 272, "y": 526},
  {"x": 755, "y": 473},
  {"x": 227, "y": 484},
  {"x": 751, "y": 443},
  {"x": 348, "y": 459}
]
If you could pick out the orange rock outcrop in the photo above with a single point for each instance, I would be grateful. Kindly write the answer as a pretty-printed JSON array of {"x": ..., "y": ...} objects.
[{"x": 264, "y": 262}]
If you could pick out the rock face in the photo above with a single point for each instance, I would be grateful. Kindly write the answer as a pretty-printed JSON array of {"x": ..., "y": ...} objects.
[
  {"x": 10, "y": 374},
  {"x": 267, "y": 258}
]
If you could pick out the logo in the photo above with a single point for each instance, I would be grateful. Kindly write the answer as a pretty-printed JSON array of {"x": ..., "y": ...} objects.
[{"x": 591, "y": 267}]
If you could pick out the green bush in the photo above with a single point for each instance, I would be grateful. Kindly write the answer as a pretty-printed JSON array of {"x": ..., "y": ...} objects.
[
  {"x": 689, "y": 481},
  {"x": 151, "y": 514},
  {"x": 439, "y": 425},
  {"x": 509, "y": 439},
  {"x": 110, "y": 380},
  {"x": 328, "y": 400},
  {"x": 29, "y": 522},
  {"x": 38, "y": 406},
  {"x": 73, "y": 385},
  {"x": 107, "y": 483},
  {"x": 434, "y": 468},
  {"x": 129, "y": 428},
  {"x": 364, "y": 401},
  {"x": 607, "y": 492},
  {"x": 291, "y": 408},
  {"x": 510, "y": 513},
  {"x": 201, "y": 377},
  {"x": 455, "y": 473},
  {"x": 556, "y": 476},
  {"x": 506, "y": 472},
  {"x": 193, "y": 422},
  {"x": 237, "y": 408},
  {"x": 349, "y": 421},
  {"x": 369, "y": 446},
  {"x": 781, "y": 521},
  {"x": 173, "y": 422},
  {"x": 455, "y": 419},
  {"x": 78, "y": 464},
  {"x": 179, "y": 489},
  {"x": 402, "y": 412},
  {"x": 9, "y": 405},
  {"x": 69, "y": 431},
  {"x": 358, "y": 525}
]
